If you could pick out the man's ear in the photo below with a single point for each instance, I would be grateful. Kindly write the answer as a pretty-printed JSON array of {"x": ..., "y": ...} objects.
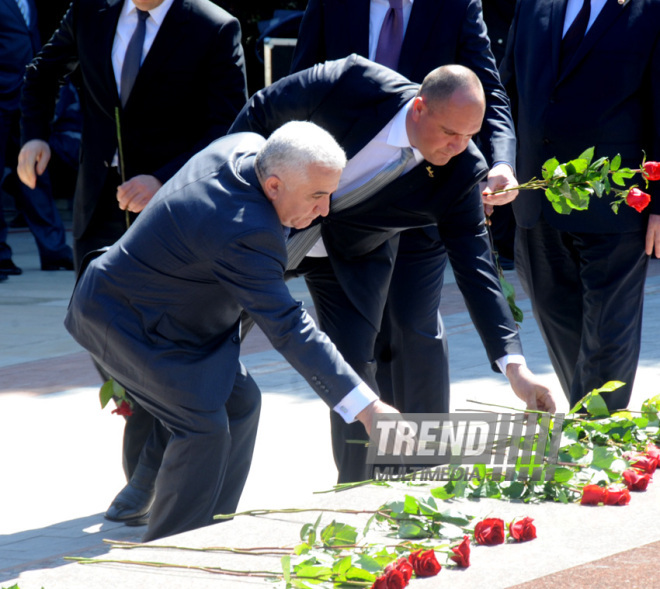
[{"x": 272, "y": 187}]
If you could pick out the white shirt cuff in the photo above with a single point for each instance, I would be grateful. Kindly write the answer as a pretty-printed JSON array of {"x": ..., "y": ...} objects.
[
  {"x": 504, "y": 361},
  {"x": 359, "y": 398}
]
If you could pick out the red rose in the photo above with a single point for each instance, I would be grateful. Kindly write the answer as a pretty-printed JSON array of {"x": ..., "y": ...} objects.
[
  {"x": 522, "y": 530},
  {"x": 392, "y": 579},
  {"x": 593, "y": 495},
  {"x": 652, "y": 451},
  {"x": 489, "y": 531},
  {"x": 643, "y": 462},
  {"x": 617, "y": 496},
  {"x": 123, "y": 409},
  {"x": 651, "y": 170},
  {"x": 461, "y": 552},
  {"x": 638, "y": 199},
  {"x": 425, "y": 564},
  {"x": 636, "y": 481},
  {"x": 403, "y": 566}
]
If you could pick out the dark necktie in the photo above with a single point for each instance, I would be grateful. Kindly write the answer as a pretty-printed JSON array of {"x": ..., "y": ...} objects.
[
  {"x": 133, "y": 57},
  {"x": 574, "y": 35},
  {"x": 25, "y": 10},
  {"x": 391, "y": 36}
]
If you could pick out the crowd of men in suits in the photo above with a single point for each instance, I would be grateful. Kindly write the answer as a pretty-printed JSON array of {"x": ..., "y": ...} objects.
[{"x": 410, "y": 91}]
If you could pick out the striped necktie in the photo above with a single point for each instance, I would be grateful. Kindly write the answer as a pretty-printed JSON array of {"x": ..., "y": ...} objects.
[
  {"x": 300, "y": 243},
  {"x": 25, "y": 10}
]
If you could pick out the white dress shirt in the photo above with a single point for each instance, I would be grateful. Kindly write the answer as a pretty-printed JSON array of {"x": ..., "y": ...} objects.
[{"x": 126, "y": 27}]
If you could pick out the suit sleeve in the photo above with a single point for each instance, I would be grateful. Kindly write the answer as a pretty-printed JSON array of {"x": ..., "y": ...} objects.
[
  {"x": 497, "y": 139},
  {"x": 43, "y": 77},
  {"x": 252, "y": 268},
  {"x": 293, "y": 98},
  {"x": 227, "y": 92},
  {"x": 310, "y": 48}
]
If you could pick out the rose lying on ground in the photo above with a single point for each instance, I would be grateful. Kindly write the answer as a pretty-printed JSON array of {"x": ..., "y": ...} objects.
[
  {"x": 425, "y": 563},
  {"x": 652, "y": 451},
  {"x": 461, "y": 552},
  {"x": 593, "y": 495},
  {"x": 522, "y": 530},
  {"x": 489, "y": 531},
  {"x": 392, "y": 579},
  {"x": 635, "y": 480},
  {"x": 642, "y": 462},
  {"x": 617, "y": 495}
]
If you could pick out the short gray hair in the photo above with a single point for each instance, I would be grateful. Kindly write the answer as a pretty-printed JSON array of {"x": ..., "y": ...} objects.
[{"x": 297, "y": 145}]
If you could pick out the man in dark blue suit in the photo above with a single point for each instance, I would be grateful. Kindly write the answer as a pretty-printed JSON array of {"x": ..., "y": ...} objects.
[
  {"x": 376, "y": 114},
  {"x": 19, "y": 42},
  {"x": 435, "y": 33},
  {"x": 188, "y": 88},
  {"x": 160, "y": 311},
  {"x": 584, "y": 74}
]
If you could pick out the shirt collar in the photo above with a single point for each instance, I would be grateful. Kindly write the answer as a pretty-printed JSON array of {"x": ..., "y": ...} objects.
[
  {"x": 158, "y": 13},
  {"x": 398, "y": 135}
]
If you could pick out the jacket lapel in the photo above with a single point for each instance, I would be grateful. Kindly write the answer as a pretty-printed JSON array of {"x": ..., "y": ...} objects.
[
  {"x": 423, "y": 13},
  {"x": 163, "y": 44},
  {"x": 608, "y": 15},
  {"x": 107, "y": 25}
]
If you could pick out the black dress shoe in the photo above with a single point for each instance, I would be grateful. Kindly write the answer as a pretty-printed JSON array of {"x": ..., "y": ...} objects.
[
  {"x": 135, "y": 499},
  {"x": 8, "y": 267},
  {"x": 58, "y": 264},
  {"x": 138, "y": 521}
]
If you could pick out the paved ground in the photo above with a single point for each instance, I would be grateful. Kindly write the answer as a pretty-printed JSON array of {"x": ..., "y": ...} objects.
[{"x": 60, "y": 454}]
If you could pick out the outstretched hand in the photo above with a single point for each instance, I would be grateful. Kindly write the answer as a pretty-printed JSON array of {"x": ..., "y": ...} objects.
[
  {"x": 500, "y": 177},
  {"x": 134, "y": 194},
  {"x": 529, "y": 388},
  {"x": 366, "y": 416}
]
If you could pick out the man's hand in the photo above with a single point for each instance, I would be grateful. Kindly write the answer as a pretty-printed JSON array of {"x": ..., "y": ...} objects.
[
  {"x": 499, "y": 178},
  {"x": 134, "y": 194},
  {"x": 32, "y": 161},
  {"x": 653, "y": 236},
  {"x": 528, "y": 388},
  {"x": 366, "y": 416}
]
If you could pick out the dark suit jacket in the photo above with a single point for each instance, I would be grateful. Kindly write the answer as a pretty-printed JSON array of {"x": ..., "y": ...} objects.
[
  {"x": 161, "y": 308},
  {"x": 18, "y": 45},
  {"x": 353, "y": 99},
  {"x": 608, "y": 96},
  {"x": 187, "y": 93},
  {"x": 439, "y": 32}
]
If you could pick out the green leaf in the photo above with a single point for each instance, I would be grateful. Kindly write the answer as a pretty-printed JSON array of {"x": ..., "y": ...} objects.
[
  {"x": 286, "y": 568},
  {"x": 602, "y": 458},
  {"x": 562, "y": 475},
  {"x": 360, "y": 574},
  {"x": 410, "y": 505},
  {"x": 587, "y": 154},
  {"x": 369, "y": 563},
  {"x": 441, "y": 493},
  {"x": 342, "y": 565},
  {"x": 549, "y": 168},
  {"x": 106, "y": 393},
  {"x": 337, "y": 533},
  {"x": 313, "y": 571},
  {"x": 595, "y": 406},
  {"x": 616, "y": 163},
  {"x": 410, "y": 529}
]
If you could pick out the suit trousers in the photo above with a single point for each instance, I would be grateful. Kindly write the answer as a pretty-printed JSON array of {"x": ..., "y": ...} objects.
[
  {"x": 206, "y": 460},
  {"x": 108, "y": 224},
  {"x": 587, "y": 294},
  {"x": 355, "y": 338},
  {"x": 37, "y": 205},
  {"x": 411, "y": 347}
]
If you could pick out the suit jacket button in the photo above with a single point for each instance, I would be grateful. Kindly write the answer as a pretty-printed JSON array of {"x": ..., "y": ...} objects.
[{"x": 236, "y": 339}]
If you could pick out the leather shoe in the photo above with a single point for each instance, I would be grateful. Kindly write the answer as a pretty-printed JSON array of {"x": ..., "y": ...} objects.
[
  {"x": 135, "y": 499},
  {"x": 8, "y": 267},
  {"x": 138, "y": 521},
  {"x": 57, "y": 264}
]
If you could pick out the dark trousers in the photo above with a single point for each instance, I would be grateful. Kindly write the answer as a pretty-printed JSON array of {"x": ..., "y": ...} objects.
[
  {"x": 355, "y": 338},
  {"x": 206, "y": 460},
  {"x": 587, "y": 293},
  {"x": 108, "y": 224},
  {"x": 411, "y": 348},
  {"x": 37, "y": 206}
]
